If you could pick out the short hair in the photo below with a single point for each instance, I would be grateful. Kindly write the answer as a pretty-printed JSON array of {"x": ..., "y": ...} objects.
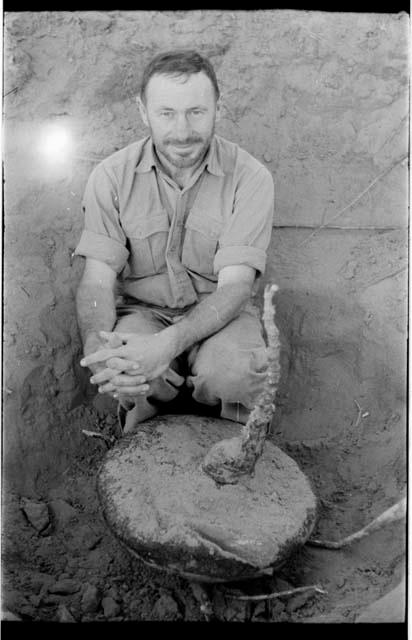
[{"x": 179, "y": 62}]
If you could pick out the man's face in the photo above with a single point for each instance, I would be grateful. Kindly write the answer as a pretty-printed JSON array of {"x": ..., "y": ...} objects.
[{"x": 181, "y": 113}]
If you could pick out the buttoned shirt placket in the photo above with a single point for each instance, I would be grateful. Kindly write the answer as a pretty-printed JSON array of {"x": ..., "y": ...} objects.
[{"x": 182, "y": 288}]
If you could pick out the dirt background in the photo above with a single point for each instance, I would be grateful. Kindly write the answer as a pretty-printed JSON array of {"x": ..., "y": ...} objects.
[{"x": 322, "y": 100}]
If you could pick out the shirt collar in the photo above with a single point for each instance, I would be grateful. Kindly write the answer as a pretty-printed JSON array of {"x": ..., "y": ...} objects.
[{"x": 148, "y": 159}]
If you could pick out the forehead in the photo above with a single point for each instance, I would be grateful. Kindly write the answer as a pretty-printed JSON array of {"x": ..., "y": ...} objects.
[{"x": 180, "y": 91}]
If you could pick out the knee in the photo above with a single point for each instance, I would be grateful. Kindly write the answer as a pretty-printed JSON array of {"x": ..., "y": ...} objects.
[{"x": 231, "y": 374}]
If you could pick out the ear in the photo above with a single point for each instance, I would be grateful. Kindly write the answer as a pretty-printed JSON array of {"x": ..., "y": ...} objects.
[
  {"x": 142, "y": 110},
  {"x": 218, "y": 109}
]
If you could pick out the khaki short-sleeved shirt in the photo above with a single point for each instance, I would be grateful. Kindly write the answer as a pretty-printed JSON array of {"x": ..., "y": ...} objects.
[{"x": 168, "y": 244}]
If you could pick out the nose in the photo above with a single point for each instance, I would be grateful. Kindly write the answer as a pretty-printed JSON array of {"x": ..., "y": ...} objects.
[{"x": 182, "y": 128}]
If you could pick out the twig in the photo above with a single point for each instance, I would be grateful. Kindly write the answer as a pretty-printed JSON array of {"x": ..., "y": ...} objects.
[
  {"x": 354, "y": 201},
  {"x": 359, "y": 418},
  {"x": 109, "y": 440},
  {"x": 278, "y": 594},
  {"x": 397, "y": 512}
]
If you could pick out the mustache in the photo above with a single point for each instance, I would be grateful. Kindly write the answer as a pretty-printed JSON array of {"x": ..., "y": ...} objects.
[{"x": 192, "y": 140}]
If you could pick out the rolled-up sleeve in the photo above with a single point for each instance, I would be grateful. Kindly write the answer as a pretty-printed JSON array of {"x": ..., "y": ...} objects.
[
  {"x": 246, "y": 235},
  {"x": 103, "y": 237}
]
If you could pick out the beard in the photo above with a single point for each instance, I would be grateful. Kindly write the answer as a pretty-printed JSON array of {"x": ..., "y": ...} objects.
[{"x": 183, "y": 154}]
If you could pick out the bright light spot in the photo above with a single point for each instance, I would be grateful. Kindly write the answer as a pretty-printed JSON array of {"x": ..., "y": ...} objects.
[{"x": 55, "y": 143}]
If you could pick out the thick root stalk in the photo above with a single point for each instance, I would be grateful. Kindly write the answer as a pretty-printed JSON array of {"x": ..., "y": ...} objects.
[
  {"x": 229, "y": 459},
  {"x": 397, "y": 512}
]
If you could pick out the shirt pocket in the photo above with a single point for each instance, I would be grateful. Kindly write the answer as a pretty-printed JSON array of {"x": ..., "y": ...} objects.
[
  {"x": 202, "y": 232},
  {"x": 148, "y": 242}
]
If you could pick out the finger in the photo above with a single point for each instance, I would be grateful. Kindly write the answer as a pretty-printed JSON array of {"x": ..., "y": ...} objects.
[
  {"x": 100, "y": 356},
  {"x": 124, "y": 380},
  {"x": 103, "y": 375},
  {"x": 113, "y": 375},
  {"x": 109, "y": 335},
  {"x": 111, "y": 394},
  {"x": 113, "y": 340},
  {"x": 121, "y": 364},
  {"x": 120, "y": 390},
  {"x": 95, "y": 368},
  {"x": 131, "y": 391}
]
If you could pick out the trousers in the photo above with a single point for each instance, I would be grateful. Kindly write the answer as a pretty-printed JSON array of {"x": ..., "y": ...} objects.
[{"x": 226, "y": 370}]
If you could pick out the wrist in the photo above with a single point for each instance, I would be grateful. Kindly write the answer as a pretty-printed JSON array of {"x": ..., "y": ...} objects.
[{"x": 91, "y": 341}]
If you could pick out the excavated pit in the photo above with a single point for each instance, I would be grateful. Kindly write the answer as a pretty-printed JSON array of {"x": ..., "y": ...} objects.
[{"x": 322, "y": 100}]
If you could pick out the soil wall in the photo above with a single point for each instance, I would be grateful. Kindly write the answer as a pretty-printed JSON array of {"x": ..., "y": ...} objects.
[{"x": 322, "y": 100}]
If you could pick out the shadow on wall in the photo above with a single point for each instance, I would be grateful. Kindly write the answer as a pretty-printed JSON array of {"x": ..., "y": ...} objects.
[{"x": 330, "y": 359}]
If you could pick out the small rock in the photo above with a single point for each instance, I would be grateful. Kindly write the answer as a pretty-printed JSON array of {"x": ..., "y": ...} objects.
[
  {"x": 259, "y": 612},
  {"x": 63, "y": 512},
  {"x": 90, "y": 599},
  {"x": 113, "y": 593},
  {"x": 14, "y": 600},
  {"x": 165, "y": 608},
  {"x": 64, "y": 587},
  {"x": 64, "y": 615},
  {"x": 36, "y": 513},
  {"x": 110, "y": 607},
  {"x": 236, "y": 612},
  {"x": 267, "y": 157},
  {"x": 17, "y": 603}
]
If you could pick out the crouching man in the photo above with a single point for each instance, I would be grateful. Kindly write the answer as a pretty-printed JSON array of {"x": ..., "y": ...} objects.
[{"x": 181, "y": 222}]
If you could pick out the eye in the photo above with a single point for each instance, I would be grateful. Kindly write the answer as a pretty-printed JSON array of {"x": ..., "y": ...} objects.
[
  {"x": 166, "y": 114},
  {"x": 196, "y": 112}
]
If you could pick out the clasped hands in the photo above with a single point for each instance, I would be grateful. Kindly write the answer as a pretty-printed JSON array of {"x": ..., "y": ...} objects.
[{"x": 124, "y": 363}]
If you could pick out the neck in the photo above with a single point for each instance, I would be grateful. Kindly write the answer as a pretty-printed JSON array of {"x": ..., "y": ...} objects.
[{"x": 181, "y": 176}]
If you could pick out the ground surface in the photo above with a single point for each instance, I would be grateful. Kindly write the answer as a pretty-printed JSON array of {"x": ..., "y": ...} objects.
[{"x": 75, "y": 570}]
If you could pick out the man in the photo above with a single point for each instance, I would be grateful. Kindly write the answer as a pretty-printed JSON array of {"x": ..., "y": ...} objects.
[{"x": 181, "y": 220}]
